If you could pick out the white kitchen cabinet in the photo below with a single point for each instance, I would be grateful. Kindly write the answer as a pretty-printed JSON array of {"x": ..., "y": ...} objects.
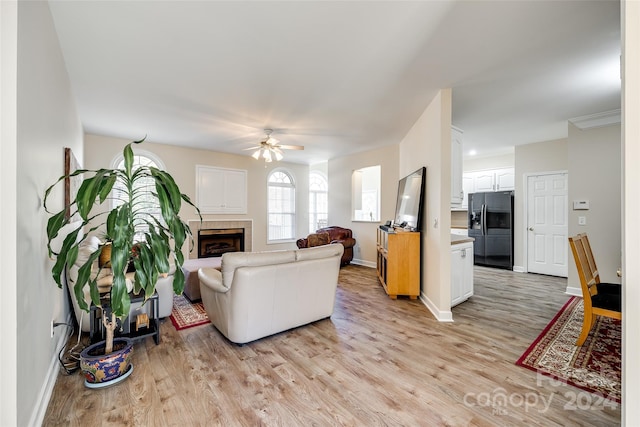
[
  {"x": 467, "y": 187},
  {"x": 460, "y": 231},
  {"x": 457, "y": 192},
  {"x": 461, "y": 272},
  {"x": 221, "y": 190},
  {"x": 484, "y": 181},
  {"x": 505, "y": 179},
  {"x": 502, "y": 179}
]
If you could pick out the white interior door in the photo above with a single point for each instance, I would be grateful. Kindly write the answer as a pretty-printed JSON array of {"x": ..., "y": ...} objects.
[{"x": 547, "y": 217}]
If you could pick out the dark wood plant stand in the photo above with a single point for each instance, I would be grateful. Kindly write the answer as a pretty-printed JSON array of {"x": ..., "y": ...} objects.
[{"x": 128, "y": 327}]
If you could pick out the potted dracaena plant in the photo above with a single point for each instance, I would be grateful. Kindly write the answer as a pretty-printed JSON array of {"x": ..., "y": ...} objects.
[{"x": 122, "y": 226}]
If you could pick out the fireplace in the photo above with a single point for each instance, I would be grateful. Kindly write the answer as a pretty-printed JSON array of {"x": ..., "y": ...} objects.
[{"x": 214, "y": 242}]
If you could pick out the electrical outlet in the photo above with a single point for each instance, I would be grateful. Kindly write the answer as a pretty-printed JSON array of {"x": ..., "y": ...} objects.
[{"x": 52, "y": 326}]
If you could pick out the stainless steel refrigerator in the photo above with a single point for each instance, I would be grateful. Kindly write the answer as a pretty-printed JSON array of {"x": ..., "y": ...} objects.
[{"x": 491, "y": 225}]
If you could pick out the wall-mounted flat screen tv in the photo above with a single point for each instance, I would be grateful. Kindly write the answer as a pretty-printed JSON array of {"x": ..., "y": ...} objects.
[{"x": 410, "y": 200}]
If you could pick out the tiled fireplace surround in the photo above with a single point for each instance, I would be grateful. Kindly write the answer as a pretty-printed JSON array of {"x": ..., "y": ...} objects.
[{"x": 196, "y": 226}]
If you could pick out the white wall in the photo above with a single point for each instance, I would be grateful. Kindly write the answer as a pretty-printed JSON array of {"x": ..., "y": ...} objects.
[
  {"x": 594, "y": 175},
  {"x": 181, "y": 164},
  {"x": 544, "y": 156},
  {"x": 489, "y": 162},
  {"x": 340, "y": 171},
  {"x": 8, "y": 214},
  {"x": 428, "y": 143},
  {"x": 631, "y": 231},
  {"x": 46, "y": 122}
]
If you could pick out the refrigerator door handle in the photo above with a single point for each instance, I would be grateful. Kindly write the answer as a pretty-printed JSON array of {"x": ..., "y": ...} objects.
[{"x": 484, "y": 219}]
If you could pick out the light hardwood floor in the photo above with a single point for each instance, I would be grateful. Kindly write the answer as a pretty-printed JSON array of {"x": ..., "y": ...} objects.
[{"x": 376, "y": 362}]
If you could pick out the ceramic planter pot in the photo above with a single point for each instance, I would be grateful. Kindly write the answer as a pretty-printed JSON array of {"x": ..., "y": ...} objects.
[{"x": 102, "y": 369}]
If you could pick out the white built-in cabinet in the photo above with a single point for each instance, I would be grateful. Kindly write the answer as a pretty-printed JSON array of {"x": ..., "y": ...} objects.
[
  {"x": 461, "y": 272},
  {"x": 221, "y": 190},
  {"x": 505, "y": 179},
  {"x": 502, "y": 179},
  {"x": 457, "y": 192}
]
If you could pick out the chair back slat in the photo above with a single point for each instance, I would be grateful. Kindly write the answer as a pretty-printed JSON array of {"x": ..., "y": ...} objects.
[
  {"x": 590, "y": 258},
  {"x": 587, "y": 280}
]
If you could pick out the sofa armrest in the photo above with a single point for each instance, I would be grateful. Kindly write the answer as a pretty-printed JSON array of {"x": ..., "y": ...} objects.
[
  {"x": 211, "y": 278},
  {"x": 347, "y": 242}
]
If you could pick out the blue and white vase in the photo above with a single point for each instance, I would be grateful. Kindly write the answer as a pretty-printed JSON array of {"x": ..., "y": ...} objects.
[{"x": 98, "y": 367}]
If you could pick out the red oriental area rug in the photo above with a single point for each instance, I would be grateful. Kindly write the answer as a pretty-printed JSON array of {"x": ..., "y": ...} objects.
[
  {"x": 594, "y": 367},
  {"x": 185, "y": 314}
]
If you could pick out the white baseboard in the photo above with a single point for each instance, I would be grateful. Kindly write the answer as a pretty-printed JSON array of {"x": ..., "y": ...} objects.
[
  {"x": 441, "y": 316},
  {"x": 363, "y": 263},
  {"x": 37, "y": 416},
  {"x": 518, "y": 269},
  {"x": 576, "y": 292}
]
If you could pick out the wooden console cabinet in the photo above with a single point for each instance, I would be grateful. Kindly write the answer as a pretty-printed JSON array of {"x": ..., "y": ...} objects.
[{"x": 398, "y": 262}]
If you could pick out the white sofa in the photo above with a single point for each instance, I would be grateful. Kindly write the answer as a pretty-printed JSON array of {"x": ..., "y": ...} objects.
[
  {"x": 262, "y": 293},
  {"x": 164, "y": 286}
]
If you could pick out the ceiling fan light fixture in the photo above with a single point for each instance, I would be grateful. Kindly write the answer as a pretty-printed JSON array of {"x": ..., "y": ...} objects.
[
  {"x": 270, "y": 148},
  {"x": 272, "y": 141}
]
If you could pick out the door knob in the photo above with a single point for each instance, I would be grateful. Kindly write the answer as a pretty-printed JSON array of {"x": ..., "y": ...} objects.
[{"x": 530, "y": 228}]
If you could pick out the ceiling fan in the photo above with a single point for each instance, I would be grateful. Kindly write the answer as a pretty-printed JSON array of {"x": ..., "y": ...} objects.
[{"x": 270, "y": 148}]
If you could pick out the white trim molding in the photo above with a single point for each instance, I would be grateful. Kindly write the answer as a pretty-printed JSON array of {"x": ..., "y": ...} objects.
[
  {"x": 363, "y": 263},
  {"x": 571, "y": 290},
  {"x": 44, "y": 396},
  {"x": 440, "y": 315},
  {"x": 597, "y": 120}
]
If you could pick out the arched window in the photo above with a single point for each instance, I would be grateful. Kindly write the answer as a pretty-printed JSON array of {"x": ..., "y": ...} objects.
[
  {"x": 318, "y": 201},
  {"x": 281, "y": 207},
  {"x": 144, "y": 188}
]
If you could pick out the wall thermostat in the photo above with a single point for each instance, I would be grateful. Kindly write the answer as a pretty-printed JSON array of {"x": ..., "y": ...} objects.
[{"x": 580, "y": 205}]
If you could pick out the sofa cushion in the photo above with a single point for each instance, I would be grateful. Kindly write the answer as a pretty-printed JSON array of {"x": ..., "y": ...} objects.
[
  {"x": 86, "y": 248},
  {"x": 104, "y": 260},
  {"x": 232, "y": 260},
  {"x": 318, "y": 239},
  {"x": 319, "y": 252}
]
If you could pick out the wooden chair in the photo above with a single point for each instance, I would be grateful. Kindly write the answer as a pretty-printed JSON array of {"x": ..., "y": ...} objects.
[{"x": 600, "y": 299}]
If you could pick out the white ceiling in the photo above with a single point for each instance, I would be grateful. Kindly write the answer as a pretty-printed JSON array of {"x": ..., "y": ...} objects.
[{"x": 337, "y": 77}]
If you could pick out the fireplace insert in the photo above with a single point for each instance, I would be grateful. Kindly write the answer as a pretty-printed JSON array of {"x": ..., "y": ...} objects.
[{"x": 215, "y": 242}]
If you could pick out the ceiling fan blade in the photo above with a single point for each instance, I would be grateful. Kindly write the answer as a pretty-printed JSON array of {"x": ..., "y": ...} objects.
[{"x": 291, "y": 147}]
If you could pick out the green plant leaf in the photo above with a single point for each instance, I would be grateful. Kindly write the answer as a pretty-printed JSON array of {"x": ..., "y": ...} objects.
[
  {"x": 160, "y": 248},
  {"x": 84, "y": 272},
  {"x": 54, "y": 224},
  {"x": 61, "y": 260},
  {"x": 107, "y": 186},
  {"x": 166, "y": 182},
  {"x": 128, "y": 159},
  {"x": 145, "y": 258},
  {"x": 48, "y": 190},
  {"x": 122, "y": 227},
  {"x": 178, "y": 281},
  {"x": 89, "y": 191},
  {"x": 111, "y": 224},
  {"x": 120, "y": 301}
]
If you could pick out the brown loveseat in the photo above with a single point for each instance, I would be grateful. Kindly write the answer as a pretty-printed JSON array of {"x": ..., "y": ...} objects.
[{"x": 333, "y": 234}]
